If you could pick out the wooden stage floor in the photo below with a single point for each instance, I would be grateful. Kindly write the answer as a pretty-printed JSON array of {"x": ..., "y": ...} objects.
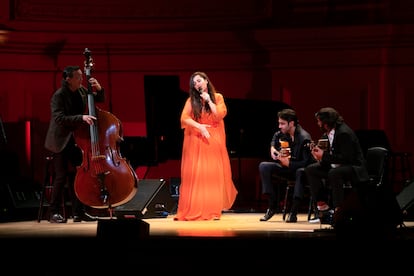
[
  {"x": 230, "y": 225},
  {"x": 176, "y": 245}
]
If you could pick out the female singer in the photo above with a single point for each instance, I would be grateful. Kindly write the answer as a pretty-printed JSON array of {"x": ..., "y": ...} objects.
[{"x": 206, "y": 186}]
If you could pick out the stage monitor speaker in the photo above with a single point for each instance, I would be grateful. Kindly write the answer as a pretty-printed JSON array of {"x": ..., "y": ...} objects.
[{"x": 152, "y": 200}]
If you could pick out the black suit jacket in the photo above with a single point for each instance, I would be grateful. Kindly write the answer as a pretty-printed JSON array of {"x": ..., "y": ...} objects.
[
  {"x": 67, "y": 108},
  {"x": 346, "y": 150}
]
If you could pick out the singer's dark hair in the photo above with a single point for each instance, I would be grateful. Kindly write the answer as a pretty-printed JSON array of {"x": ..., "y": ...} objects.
[{"x": 196, "y": 100}]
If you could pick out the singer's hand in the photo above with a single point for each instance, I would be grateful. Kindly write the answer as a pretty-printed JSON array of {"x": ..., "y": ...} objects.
[
  {"x": 203, "y": 130},
  {"x": 205, "y": 96}
]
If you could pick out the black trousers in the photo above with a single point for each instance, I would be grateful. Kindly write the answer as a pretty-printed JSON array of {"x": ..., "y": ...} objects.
[
  {"x": 335, "y": 179},
  {"x": 268, "y": 169},
  {"x": 64, "y": 164}
]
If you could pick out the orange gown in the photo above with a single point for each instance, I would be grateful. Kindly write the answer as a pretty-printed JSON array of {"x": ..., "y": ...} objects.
[{"x": 206, "y": 187}]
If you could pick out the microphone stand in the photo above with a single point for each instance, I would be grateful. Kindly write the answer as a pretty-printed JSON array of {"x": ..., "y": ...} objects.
[{"x": 3, "y": 133}]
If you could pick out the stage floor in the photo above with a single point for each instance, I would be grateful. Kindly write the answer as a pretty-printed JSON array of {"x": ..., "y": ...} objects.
[
  {"x": 231, "y": 225},
  {"x": 236, "y": 243}
]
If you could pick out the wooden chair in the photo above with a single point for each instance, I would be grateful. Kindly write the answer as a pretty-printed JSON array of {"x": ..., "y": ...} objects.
[{"x": 290, "y": 185}]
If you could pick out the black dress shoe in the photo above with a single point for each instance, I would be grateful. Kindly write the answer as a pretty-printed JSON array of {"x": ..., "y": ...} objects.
[
  {"x": 327, "y": 217},
  {"x": 292, "y": 218},
  {"x": 84, "y": 217},
  {"x": 88, "y": 217},
  {"x": 57, "y": 218},
  {"x": 269, "y": 214}
]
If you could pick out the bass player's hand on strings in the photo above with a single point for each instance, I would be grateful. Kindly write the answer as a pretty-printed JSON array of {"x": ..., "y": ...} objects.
[
  {"x": 94, "y": 82},
  {"x": 89, "y": 119}
]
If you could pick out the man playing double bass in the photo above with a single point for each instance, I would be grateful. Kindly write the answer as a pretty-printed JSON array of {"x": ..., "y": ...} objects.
[{"x": 68, "y": 105}]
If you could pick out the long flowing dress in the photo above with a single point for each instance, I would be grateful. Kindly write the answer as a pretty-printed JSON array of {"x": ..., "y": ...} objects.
[{"x": 206, "y": 186}]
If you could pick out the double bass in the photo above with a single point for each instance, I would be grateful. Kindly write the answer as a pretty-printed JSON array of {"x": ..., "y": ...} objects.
[{"x": 104, "y": 179}]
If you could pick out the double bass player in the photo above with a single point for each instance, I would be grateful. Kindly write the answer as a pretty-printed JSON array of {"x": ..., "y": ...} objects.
[{"x": 68, "y": 105}]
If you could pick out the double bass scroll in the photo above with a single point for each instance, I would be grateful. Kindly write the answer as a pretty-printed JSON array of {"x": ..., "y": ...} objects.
[{"x": 104, "y": 179}]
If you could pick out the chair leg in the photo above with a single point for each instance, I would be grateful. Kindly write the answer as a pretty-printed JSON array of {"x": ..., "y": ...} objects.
[
  {"x": 46, "y": 187},
  {"x": 41, "y": 202},
  {"x": 285, "y": 202},
  {"x": 312, "y": 208}
]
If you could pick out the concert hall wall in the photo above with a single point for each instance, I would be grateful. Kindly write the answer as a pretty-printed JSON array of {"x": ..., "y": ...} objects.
[{"x": 260, "y": 52}]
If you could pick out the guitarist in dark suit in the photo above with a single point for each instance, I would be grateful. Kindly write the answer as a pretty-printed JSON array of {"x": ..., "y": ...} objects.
[
  {"x": 343, "y": 160},
  {"x": 68, "y": 105},
  {"x": 288, "y": 165}
]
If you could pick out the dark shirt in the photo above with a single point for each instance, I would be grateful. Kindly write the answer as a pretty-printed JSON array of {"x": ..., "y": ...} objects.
[{"x": 299, "y": 148}]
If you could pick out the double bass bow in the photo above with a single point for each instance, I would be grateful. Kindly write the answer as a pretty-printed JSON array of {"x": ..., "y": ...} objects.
[{"x": 104, "y": 179}]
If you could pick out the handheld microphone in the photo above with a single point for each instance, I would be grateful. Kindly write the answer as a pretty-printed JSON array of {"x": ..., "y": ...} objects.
[{"x": 200, "y": 90}]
